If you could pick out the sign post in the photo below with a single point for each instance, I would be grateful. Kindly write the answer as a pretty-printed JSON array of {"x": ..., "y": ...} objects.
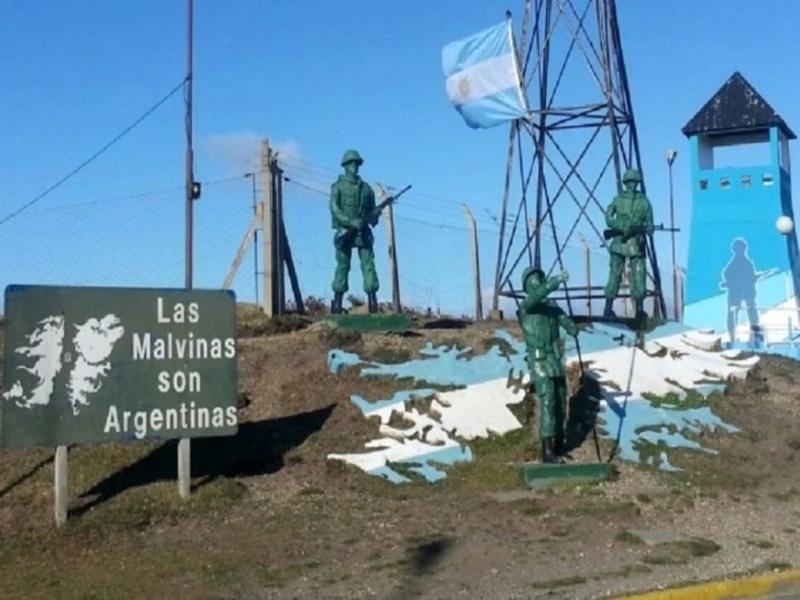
[
  {"x": 61, "y": 485},
  {"x": 86, "y": 365}
]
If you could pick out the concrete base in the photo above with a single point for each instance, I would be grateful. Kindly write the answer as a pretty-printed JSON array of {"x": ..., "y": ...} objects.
[
  {"x": 370, "y": 322},
  {"x": 543, "y": 476}
]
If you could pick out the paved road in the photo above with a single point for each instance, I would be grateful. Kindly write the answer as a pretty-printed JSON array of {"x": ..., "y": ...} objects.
[{"x": 780, "y": 586}]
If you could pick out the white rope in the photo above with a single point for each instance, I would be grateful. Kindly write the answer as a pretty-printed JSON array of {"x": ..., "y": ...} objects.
[{"x": 624, "y": 405}]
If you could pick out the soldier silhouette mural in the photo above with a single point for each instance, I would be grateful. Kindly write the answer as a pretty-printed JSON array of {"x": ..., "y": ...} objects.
[
  {"x": 353, "y": 214},
  {"x": 739, "y": 279},
  {"x": 541, "y": 320},
  {"x": 630, "y": 220}
]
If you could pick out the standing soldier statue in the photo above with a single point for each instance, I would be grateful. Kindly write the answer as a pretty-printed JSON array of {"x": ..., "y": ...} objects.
[
  {"x": 353, "y": 214},
  {"x": 540, "y": 320},
  {"x": 630, "y": 220}
]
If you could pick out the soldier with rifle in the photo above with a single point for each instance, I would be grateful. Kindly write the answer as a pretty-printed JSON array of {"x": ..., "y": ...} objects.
[
  {"x": 353, "y": 214},
  {"x": 541, "y": 319},
  {"x": 630, "y": 220}
]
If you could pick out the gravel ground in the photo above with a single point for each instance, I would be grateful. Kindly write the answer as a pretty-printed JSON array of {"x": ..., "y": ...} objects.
[{"x": 272, "y": 518}]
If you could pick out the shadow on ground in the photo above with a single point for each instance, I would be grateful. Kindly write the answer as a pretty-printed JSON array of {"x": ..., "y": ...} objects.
[
  {"x": 422, "y": 560},
  {"x": 584, "y": 407},
  {"x": 257, "y": 449},
  {"x": 25, "y": 476}
]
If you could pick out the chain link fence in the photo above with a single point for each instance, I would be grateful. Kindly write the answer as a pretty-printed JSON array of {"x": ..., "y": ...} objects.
[{"x": 138, "y": 240}]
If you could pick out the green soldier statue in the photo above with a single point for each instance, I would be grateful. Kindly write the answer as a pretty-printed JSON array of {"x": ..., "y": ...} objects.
[
  {"x": 630, "y": 220},
  {"x": 353, "y": 214},
  {"x": 540, "y": 319}
]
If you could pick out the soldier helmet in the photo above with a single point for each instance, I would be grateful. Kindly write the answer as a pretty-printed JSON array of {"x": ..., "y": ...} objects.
[
  {"x": 352, "y": 156},
  {"x": 632, "y": 175},
  {"x": 531, "y": 271}
]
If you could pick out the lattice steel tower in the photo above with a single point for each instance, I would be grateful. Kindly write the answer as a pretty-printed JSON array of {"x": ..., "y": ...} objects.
[{"x": 565, "y": 162}]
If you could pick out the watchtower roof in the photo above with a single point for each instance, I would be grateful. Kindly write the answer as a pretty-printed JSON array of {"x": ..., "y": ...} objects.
[{"x": 736, "y": 106}]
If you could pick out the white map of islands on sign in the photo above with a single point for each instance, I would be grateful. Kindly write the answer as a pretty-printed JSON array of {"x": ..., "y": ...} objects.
[
  {"x": 46, "y": 343},
  {"x": 93, "y": 341}
]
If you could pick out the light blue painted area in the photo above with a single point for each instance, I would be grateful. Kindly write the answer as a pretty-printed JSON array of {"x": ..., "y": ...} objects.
[
  {"x": 712, "y": 312},
  {"x": 448, "y": 365},
  {"x": 340, "y": 359},
  {"x": 389, "y": 474},
  {"x": 787, "y": 350},
  {"x": 444, "y": 365},
  {"x": 399, "y": 399},
  {"x": 672, "y": 422},
  {"x": 424, "y": 464}
]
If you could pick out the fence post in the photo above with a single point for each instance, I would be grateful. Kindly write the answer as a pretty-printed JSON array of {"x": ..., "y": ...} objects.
[
  {"x": 277, "y": 223},
  {"x": 476, "y": 266},
  {"x": 289, "y": 263},
  {"x": 393, "y": 271},
  {"x": 267, "y": 228}
]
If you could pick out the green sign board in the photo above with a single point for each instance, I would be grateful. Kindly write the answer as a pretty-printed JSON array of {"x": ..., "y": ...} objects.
[{"x": 117, "y": 364}]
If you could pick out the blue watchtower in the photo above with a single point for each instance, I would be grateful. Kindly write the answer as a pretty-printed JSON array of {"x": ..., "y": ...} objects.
[{"x": 739, "y": 264}]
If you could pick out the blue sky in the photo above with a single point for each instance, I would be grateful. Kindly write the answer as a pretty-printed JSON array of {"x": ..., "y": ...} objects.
[{"x": 317, "y": 78}]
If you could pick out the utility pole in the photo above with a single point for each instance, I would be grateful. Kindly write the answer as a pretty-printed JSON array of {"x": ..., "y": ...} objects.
[
  {"x": 670, "y": 156},
  {"x": 393, "y": 271},
  {"x": 184, "y": 445},
  {"x": 476, "y": 266}
]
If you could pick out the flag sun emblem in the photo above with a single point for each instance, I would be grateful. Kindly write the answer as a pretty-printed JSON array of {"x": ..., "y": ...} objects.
[{"x": 464, "y": 87}]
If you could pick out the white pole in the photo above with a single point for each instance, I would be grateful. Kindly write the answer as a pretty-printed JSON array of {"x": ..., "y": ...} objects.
[{"x": 61, "y": 485}]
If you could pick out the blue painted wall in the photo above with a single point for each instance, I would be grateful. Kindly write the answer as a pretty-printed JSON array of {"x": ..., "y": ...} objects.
[{"x": 738, "y": 203}]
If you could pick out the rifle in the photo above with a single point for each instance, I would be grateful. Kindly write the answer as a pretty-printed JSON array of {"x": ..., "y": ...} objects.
[
  {"x": 390, "y": 200},
  {"x": 350, "y": 232},
  {"x": 635, "y": 231}
]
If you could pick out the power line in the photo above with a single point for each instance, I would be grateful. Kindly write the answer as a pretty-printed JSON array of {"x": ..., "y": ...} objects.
[
  {"x": 146, "y": 194},
  {"x": 320, "y": 172},
  {"x": 420, "y": 221},
  {"x": 86, "y": 162},
  {"x": 444, "y": 211},
  {"x": 444, "y": 226}
]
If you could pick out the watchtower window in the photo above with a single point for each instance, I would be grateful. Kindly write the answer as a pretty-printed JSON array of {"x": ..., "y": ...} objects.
[
  {"x": 766, "y": 179},
  {"x": 704, "y": 184},
  {"x": 742, "y": 150},
  {"x": 746, "y": 181},
  {"x": 724, "y": 183}
]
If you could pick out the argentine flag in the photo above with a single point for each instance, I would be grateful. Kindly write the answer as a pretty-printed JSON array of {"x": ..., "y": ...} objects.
[{"x": 483, "y": 77}]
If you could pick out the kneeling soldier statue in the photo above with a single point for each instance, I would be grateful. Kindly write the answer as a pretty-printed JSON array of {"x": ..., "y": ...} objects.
[
  {"x": 630, "y": 220},
  {"x": 353, "y": 214},
  {"x": 541, "y": 320}
]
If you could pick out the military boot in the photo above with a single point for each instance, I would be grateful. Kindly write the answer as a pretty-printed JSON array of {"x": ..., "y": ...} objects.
[
  {"x": 608, "y": 311},
  {"x": 640, "y": 314},
  {"x": 372, "y": 302},
  {"x": 336, "y": 303},
  {"x": 559, "y": 446},
  {"x": 548, "y": 452}
]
